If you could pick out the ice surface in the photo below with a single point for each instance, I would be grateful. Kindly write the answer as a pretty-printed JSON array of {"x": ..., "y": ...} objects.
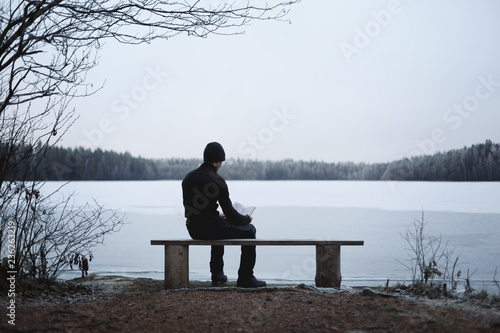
[{"x": 466, "y": 215}]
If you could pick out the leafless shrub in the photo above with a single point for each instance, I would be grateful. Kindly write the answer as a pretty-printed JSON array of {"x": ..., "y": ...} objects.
[
  {"x": 51, "y": 236},
  {"x": 429, "y": 259}
]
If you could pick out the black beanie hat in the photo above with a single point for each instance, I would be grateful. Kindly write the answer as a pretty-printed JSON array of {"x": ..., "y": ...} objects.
[{"x": 214, "y": 153}]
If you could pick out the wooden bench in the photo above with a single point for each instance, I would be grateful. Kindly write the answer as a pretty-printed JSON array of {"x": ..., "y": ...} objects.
[{"x": 327, "y": 258}]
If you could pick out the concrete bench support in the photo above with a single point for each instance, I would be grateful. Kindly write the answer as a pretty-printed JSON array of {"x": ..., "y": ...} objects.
[
  {"x": 327, "y": 258},
  {"x": 328, "y": 266},
  {"x": 176, "y": 266}
]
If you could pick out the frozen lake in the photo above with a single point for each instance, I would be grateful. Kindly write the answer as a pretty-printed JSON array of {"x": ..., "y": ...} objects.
[{"x": 466, "y": 215}]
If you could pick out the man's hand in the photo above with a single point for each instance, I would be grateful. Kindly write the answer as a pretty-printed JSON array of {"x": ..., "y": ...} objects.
[{"x": 251, "y": 218}]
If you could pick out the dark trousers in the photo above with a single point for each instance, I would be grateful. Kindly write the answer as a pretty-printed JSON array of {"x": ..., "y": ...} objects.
[{"x": 225, "y": 230}]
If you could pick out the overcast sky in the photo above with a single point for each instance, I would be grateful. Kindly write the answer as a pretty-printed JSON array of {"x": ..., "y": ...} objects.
[{"x": 362, "y": 81}]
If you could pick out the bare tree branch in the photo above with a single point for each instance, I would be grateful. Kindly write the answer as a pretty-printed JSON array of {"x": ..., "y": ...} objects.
[{"x": 47, "y": 47}]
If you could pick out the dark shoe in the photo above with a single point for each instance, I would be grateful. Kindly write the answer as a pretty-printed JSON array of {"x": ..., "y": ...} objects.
[
  {"x": 219, "y": 279},
  {"x": 250, "y": 283}
]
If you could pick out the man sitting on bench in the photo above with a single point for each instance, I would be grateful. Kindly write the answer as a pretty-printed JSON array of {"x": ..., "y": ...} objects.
[{"x": 202, "y": 188}]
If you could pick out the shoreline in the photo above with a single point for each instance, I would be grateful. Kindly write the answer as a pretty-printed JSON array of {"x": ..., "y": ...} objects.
[{"x": 487, "y": 285}]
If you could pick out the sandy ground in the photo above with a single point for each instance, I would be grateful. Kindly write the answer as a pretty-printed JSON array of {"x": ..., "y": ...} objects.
[{"x": 115, "y": 304}]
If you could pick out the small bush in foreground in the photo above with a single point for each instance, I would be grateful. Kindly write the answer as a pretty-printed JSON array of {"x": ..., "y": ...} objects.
[{"x": 434, "y": 270}]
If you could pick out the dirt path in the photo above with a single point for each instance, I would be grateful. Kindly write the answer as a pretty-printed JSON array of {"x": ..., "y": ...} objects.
[{"x": 140, "y": 305}]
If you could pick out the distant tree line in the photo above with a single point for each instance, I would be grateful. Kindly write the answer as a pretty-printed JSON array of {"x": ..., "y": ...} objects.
[{"x": 479, "y": 162}]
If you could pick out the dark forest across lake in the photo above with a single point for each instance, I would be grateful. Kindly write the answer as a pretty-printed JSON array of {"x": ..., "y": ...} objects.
[{"x": 480, "y": 162}]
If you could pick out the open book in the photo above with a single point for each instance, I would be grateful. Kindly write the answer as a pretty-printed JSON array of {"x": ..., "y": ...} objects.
[{"x": 243, "y": 210}]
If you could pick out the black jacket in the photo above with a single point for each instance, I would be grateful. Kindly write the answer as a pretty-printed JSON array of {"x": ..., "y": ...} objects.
[{"x": 202, "y": 188}]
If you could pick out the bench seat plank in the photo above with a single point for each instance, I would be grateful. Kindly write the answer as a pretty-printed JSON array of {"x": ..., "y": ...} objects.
[{"x": 255, "y": 242}]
